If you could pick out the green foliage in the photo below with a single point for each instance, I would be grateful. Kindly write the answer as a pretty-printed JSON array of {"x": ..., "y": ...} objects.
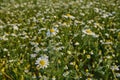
[{"x": 81, "y": 39}]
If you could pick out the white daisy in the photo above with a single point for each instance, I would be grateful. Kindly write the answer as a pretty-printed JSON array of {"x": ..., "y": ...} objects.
[
  {"x": 37, "y": 49},
  {"x": 89, "y": 32},
  {"x": 69, "y": 16},
  {"x": 42, "y": 62},
  {"x": 52, "y": 32},
  {"x": 33, "y": 55}
]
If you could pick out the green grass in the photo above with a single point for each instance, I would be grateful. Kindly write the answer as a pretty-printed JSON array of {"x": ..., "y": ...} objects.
[{"x": 81, "y": 39}]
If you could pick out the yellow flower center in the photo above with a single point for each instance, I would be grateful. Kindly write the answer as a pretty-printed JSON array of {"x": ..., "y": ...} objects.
[
  {"x": 42, "y": 62},
  {"x": 88, "y": 31},
  {"x": 88, "y": 56},
  {"x": 68, "y": 15},
  {"x": 52, "y": 30}
]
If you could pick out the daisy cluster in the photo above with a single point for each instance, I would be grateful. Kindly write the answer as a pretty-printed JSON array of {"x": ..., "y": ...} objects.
[{"x": 59, "y": 40}]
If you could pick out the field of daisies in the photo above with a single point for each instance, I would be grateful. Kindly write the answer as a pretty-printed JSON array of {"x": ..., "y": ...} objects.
[{"x": 59, "y": 39}]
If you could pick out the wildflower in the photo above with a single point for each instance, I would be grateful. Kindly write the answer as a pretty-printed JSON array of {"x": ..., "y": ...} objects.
[
  {"x": 5, "y": 49},
  {"x": 35, "y": 44},
  {"x": 88, "y": 56},
  {"x": 73, "y": 63},
  {"x": 96, "y": 10},
  {"x": 10, "y": 61},
  {"x": 109, "y": 57},
  {"x": 66, "y": 73},
  {"x": 37, "y": 49},
  {"x": 52, "y": 32},
  {"x": 89, "y": 32},
  {"x": 106, "y": 42},
  {"x": 64, "y": 24},
  {"x": 42, "y": 29},
  {"x": 14, "y": 35},
  {"x": 53, "y": 78},
  {"x": 59, "y": 48},
  {"x": 115, "y": 68},
  {"x": 69, "y": 52},
  {"x": 42, "y": 62},
  {"x": 4, "y": 38},
  {"x": 1, "y": 27},
  {"x": 66, "y": 67},
  {"x": 33, "y": 76},
  {"x": 15, "y": 27},
  {"x": 77, "y": 43},
  {"x": 69, "y": 16},
  {"x": 118, "y": 74},
  {"x": 33, "y": 55},
  {"x": 105, "y": 15},
  {"x": 88, "y": 79},
  {"x": 59, "y": 61}
]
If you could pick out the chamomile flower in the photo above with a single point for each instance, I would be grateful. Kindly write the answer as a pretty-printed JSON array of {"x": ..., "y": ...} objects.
[
  {"x": 118, "y": 74},
  {"x": 15, "y": 27},
  {"x": 115, "y": 67},
  {"x": 37, "y": 50},
  {"x": 33, "y": 55},
  {"x": 52, "y": 32},
  {"x": 68, "y": 16},
  {"x": 65, "y": 74},
  {"x": 42, "y": 62},
  {"x": 89, "y": 32}
]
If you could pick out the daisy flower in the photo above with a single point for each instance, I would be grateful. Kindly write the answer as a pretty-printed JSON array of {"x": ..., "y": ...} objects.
[
  {"x": 89, "y": 32},
  {"x": 69, "y": 16},
  {"x": 52, "y": 32},
  {"x": 42, "y": 62}
]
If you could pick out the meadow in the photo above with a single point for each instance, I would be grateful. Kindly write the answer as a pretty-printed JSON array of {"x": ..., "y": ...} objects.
[{"x": 59, "y": 39}]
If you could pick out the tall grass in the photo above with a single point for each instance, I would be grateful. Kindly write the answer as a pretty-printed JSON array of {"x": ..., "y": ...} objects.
[{"x": 59, "y": 40}]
